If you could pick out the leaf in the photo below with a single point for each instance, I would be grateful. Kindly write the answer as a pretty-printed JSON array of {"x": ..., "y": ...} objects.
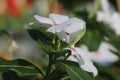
[
  {"x": 41, "y": 38},
  {"x": 92, "y": 39},
  {"x": 106, "y": 71},
  {"x": 76, "y": 73},
  {"x": 77, "y": 37},
  {"x": 45, "y": 39},
  {"x": 20, "y": 65}
]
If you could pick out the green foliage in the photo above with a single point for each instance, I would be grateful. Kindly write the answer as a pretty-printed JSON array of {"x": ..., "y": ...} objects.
[
  {"x": 22, "y": 66},
  {"x": 47, "y": 41},
  {"x": 74, "y": 71},
  {"x": 92, "y": 40}
]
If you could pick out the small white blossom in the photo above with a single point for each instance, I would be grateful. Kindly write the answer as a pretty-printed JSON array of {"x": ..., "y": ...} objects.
[
  {"x": 81, "y": 56},
  {"x": 65, "y": 28},
  {"x": 103, "y": 55},
  {"x": 109, "y": 16}
]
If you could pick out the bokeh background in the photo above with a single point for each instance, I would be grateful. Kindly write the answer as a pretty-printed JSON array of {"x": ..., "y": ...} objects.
[{"x": 15, "y": 42}]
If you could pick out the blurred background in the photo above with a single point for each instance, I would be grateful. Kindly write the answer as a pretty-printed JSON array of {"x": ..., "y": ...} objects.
[{"x": 15, "y": 42}]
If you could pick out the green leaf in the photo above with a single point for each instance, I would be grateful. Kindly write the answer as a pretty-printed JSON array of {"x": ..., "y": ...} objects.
[
  {"x": 41, "y": 38},
  {"x": 92, "y": 39},
  {"x": 19, "y": 65},
  {"x": 106, "y": 72},
  {"x": 77, "y": 37},
  {"x": 45, "y": 39},
  {"x": 76, "y": 73}
]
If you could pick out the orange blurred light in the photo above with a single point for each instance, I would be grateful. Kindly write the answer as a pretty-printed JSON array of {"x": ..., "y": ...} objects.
[{"x": 5, "y": 56}]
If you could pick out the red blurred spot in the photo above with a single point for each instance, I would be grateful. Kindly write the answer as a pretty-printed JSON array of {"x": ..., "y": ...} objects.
[
  {"x": 13, "y": 8},
  {"x": 29, "y": 3}
]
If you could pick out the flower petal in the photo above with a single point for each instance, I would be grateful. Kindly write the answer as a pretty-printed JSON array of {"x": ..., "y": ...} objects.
[
  {"x": 43, "y": 20},
  {"x": 83, "y": 60},
  {"x": 51, "y": 29},
  {"x": 105, "y": 56},
  {"x": 105, "y": 5},
  {"x": 71, "y": 26},
  {"x": 74, "y": 25},
  {"x": 73, "y": 30},
  {"x": 88, "y": 65},
  {"x": 58, "y": 19},
  {"x": 72, "y": 58},
  {"x": 62, "y": 35}
]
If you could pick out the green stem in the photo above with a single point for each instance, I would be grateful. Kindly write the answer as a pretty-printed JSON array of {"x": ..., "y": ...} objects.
[
  {"x": 52, "y": 76},
  {"x": 95, "y": 8},
  {"x": 53, "y": 41},
  {"x": 59, "y": 44},
  {"x": 49, "y": 68}
]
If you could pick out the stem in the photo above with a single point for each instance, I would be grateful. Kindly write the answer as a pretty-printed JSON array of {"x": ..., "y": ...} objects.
[
  {"x": 52, "y": 76},
  {"x": 48, "y": 71},
  {"x": 59, "y": 44},
  {"x": 95, "y": 8},
  {"x": 53, "y": 41}
]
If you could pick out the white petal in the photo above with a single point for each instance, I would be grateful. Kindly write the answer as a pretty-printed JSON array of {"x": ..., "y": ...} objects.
[
  {"x": 62, "y": 35},
  {"x": 72, "y": 36},
  {"x": 116, "y": 22},
  {"x": 85, "y": 62},
  {"x": 43, "y": 20},
  {"x": 72, "y": 58},
  {"x": 88, "y": 66},
  {"x": 105, "y": 5},
  {"x": 72, "y": 25},
  {"x": 101, "y": 16},
  {"x": 51, "y": 29},
  {"x": 58, "y": 19},
  {"x": 104, "y": 55}
]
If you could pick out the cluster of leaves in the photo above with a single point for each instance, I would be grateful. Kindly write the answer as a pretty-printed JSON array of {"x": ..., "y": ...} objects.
[{"x": 57, "y": 69}]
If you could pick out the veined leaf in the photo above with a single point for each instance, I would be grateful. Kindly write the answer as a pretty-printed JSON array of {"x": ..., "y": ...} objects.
[
  {"x": 76, "y": 73},
  {"x": 20, "y": 65}
]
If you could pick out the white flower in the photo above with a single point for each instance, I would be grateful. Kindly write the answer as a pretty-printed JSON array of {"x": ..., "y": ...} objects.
[
  {"x": 105, "y": 5},
  {"x": 109, "y": 16},
  {"x": 103, "y": 55},
  {"x": 54, "y": 20},
  {"x": 81, "y": 56},
  {"x": 67, "y": 29},
  {"x": 71, "y": 30}
]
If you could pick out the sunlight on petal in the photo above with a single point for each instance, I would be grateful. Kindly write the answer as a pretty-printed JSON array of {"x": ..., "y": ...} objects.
[
  {"x": 57, "y": 18},
  {"x": 43, "y": 20}
]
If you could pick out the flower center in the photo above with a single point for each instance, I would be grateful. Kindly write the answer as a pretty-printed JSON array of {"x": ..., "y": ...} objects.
[
  {"x": 73, "y": 49},
  {"x": 56, "y": 25},
  {"x": 98, "y": 53}
]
